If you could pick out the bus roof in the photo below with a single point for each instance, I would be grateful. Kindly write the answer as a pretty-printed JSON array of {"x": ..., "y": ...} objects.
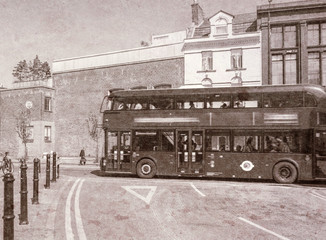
[{"x": 316, "y": 90}]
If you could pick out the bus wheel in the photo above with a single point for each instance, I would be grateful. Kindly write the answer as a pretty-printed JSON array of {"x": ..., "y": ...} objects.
[
  {"x": 285, "y": 172},
  {"x": 146, "y": 168}
]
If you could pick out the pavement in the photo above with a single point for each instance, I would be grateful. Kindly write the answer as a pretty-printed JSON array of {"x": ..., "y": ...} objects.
[{"x": 41, "y": 217}]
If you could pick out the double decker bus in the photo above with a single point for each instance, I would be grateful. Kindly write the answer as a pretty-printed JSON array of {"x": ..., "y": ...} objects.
[{"x": 263, "y": 132}]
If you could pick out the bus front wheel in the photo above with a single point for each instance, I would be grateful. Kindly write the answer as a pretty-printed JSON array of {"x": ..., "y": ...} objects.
[
  {"x": 285, "y": 172},
  {"x": 146, "y": 168}
]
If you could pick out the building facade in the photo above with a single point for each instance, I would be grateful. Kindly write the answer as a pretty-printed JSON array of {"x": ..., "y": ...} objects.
[
  {"x": 222, "y": 50},
  {"x": 278, "y": 44},
  {"x": 295, "y": 51},
  {"x": 36, "y": 98}
]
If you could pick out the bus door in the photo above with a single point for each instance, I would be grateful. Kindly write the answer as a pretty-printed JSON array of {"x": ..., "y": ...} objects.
[
  {"x": 119, "y": 151},
  {"x": 320, "y": 154},
  {"x": 190, "y": 152},
  {"x": 124, "y": 156}
]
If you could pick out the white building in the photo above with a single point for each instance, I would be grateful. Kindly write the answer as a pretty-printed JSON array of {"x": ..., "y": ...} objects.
[{"x": 222, "y": 50}]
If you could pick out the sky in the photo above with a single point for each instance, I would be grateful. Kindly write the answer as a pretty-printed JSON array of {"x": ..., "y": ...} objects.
[{"x": 58, "y": 29}]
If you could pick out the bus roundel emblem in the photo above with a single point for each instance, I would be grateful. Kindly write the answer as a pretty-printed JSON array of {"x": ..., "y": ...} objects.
[{"x": 247, "y": 166}]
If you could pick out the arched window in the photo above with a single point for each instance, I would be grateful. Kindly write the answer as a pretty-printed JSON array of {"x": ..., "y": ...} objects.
[{"x": 221, "y": 27}]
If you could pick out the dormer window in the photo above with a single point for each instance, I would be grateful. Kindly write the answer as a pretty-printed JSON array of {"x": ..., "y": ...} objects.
[{"x": 221, "y": 27}]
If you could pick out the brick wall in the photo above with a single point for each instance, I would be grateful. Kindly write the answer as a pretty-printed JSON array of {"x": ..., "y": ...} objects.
[
  {"x": 12, "y": 101},
  {"x": 80, "y": 93}
]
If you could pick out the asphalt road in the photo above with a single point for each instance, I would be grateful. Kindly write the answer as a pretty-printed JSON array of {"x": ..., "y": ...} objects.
[{"x": 83, "y": 204}]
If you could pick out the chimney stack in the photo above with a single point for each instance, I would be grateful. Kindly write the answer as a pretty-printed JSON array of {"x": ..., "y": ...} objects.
[{"x": 197, "y": 13}]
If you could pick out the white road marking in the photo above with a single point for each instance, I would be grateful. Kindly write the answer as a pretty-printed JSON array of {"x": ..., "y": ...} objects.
[
  {"x": 50, "y": 222},
  {"x": 69, "y": 233},
  {"x": 146, "y": 199},
  {"x": 262, "y": 228},
  {"x": 318, "y": 195},
  {"x": 79, "y": 223},
  {"x": 199, "y": 192}
]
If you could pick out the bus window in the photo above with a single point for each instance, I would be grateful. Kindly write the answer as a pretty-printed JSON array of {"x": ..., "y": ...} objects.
[
  {"x": 246, "y": 142},
  {"x": 309, "y": 100},
  {"x": 120, "y": 104},
  {"x": 145, "y": 141},
  {"x": 217, "y": 140},
  {"x": 290, "y": 141},
  {"x": 190, "y": 102},
  {"x": 193, "y": 105},
  {"x": 161, "y": 103},
  {"x": 218, "y": 101},
  {"x": 106, "y": 104},
  {"x": 168, "y": 141},
  {"x": 321, "y": 143},
  {"x": 283, "y": 100},
  {"x": 139, "y": 104},
  {"x": 197, "y": 141},
  {"x": 244, "y": 100},
  {"x": 113, "y": 141}
]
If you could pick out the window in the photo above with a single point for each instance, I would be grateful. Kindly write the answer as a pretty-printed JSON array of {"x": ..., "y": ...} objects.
[
  {"x": 284, "y": 69},
  {"x": 284, "y": 37},
  {"x": 236, "y": 59},
  {"x": 287, "y": 141},
  {"x": 245, "y": 100},
  {"x": 168, "y": 141},
  {"x": 152, "y": 140},
  {"x": 290, "y": 36},
  {"x": 317, "y": 68},
  {"x": 112, "y": 142},
  {"x": 290, "y": 69},
  {"x": 218, "y": 141},
  {"x": 283, "y": 100},
  {"x": 161, "y": 103},
  {"x": 313, "y": 68},
  {"x": 207, "y": 61},
  {"x": 246, "y": 141},
  {"x": 313, "y": 34},
  {"x": 47, "y": 133},
  {"x": 190, "y": 102},
  {"x": 218, "y": 101},
  {"x": 221, "y": 27},
  {"x": 47, "y": 104}
]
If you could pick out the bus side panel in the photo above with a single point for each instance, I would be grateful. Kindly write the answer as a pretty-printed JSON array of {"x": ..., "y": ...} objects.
[
  {"x": 253, "y": 165},
  {"x": 165, "y": 161}
]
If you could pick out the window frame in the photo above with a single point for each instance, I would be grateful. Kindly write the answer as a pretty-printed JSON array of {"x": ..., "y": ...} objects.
[
  {"x": 207, "y": 61},
  {"x": 47, "y": 133},
  {"x": 48, "y": 104}
]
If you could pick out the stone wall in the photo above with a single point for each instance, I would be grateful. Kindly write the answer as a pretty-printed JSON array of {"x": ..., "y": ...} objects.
[{"x": 80, "y": 93}]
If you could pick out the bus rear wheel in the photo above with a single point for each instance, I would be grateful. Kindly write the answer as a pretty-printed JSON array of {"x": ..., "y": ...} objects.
[
  {"x": 285, "y": 172},
  {"x": 146, "y": 168}
]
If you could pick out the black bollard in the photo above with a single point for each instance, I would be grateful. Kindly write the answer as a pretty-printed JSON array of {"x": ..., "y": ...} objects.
[
  {"x": 54, "y": 166},
  {"x": 39, "y": 166},
  {"x": 58, "y": 167},
  {"x": 47, "y": 181},
  {"x": 23, "y": 216},
  {"x": 35, "y": 181},
  {"x": 8, "y": 207}
]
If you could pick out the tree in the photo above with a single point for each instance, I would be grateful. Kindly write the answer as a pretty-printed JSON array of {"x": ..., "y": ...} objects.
[
  {"x": 35, "y": 70},
  {"x": 94, "y": 130},
  {"x": 23, "y": 122}
]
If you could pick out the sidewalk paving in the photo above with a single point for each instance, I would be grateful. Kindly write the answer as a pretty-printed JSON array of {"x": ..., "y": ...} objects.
[{"x": 42, "y": 216}]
